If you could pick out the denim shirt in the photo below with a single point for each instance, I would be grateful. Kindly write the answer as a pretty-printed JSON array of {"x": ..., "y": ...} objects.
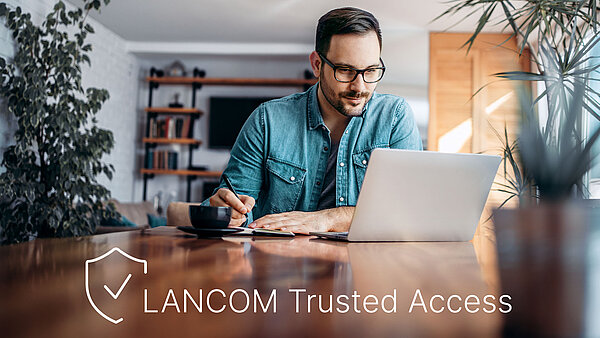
[{"x": 280, "y": 155}]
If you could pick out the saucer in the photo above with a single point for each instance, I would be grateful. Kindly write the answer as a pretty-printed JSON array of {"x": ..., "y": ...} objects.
[{"x": 208, "y": 232}]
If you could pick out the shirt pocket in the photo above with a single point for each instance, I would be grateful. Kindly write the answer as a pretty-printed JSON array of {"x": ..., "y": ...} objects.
[
  {"x": 285, "y": 181},
  {"x": 361, "y": 161}
]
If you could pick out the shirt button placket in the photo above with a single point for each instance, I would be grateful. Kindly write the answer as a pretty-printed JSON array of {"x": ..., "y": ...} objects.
[{"x": 342, "y": 186}]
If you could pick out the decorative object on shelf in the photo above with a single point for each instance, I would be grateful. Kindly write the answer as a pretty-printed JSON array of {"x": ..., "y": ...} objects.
[
  {"x": 199, "y": 167},
  {"x": 160, "y": 203},
  {"x": 176, "y": 103},
  {"x": 49, "y": 186},
  {"x": 176, "y": 69},
  {"x": 157, "y": 72},
  {"x": 156, "y": 201}
]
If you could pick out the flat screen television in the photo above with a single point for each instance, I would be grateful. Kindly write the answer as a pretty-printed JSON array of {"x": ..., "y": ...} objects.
[{"x": 227, "y": 116}]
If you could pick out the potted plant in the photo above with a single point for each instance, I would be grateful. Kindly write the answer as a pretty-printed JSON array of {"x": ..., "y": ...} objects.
[
  {"x": 542, "y": 245},
  {"x": 48, "y": 184}
]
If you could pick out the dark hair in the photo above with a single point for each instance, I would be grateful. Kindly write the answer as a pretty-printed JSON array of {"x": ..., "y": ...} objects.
[{"x": 346, "y": 20}]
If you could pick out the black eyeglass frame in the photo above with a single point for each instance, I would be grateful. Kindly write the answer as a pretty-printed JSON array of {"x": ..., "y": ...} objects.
[{"x": 356, "y": 71}]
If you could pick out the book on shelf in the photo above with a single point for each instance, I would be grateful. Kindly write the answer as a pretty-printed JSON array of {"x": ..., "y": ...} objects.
[
  {"x": 172, "y": 160},
  {"x": 185, "y": 127},
  {"x": 167, "y": 127},
  {"x": 150, "y": 160},
  {"x": 170, "y": 127},
  {"x": 162, "y": 159},
  {"x": 160, "y": 129},
  {"x": 153, "y": 128},
  {"x": 178, "y": 128}
]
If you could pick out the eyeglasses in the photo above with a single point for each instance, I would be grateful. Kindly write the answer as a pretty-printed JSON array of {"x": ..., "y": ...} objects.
[{"x": 348, "y": 74}]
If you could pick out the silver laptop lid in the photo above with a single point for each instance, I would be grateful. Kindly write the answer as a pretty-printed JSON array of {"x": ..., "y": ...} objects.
[{"x": 422, "y": 196}]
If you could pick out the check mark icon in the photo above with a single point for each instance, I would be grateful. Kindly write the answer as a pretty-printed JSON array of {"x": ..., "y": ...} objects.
[{"x": 116, "y": 295}]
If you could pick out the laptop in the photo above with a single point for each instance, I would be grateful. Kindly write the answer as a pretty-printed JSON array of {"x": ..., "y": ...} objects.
[{"x": 420, "y": 196}]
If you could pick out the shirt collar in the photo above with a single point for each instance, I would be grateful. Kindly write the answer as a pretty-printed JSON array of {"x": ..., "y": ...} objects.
[{"x": 315, "y": 119}]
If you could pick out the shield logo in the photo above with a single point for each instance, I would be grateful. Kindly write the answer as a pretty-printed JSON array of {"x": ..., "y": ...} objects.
[{"x": 112, "y": 294}]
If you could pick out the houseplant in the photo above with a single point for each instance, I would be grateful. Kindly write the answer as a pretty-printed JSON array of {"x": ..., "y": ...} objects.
[
  {"x": 48, "y": 186},
  {"x": 542, "y": 246}
]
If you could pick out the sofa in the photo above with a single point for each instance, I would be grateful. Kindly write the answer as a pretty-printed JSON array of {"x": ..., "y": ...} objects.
[{"x": 135, "y": 212}]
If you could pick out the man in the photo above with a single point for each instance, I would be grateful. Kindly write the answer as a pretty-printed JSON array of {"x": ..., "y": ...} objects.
[{"x": 299, "y": 161}]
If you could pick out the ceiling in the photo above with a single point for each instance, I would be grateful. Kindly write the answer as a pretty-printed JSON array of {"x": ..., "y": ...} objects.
[
  {"x": 259, "y": 21},
  {"x": 276, "y": 28}
]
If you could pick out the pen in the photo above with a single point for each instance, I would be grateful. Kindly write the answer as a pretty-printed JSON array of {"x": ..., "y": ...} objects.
[{"x": 230, "y": 187}]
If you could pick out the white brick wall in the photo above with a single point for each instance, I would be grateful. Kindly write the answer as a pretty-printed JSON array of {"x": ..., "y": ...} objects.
[{"x": 113, "y": 69}]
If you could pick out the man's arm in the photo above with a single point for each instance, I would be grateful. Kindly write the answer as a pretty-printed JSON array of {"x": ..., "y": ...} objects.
[
  {"x": 334, "y": 219},
  {"x": 245, "y": 169}
]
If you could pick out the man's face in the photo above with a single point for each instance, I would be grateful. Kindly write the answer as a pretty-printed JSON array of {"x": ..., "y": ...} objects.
[{"x": 356, "y": 51}]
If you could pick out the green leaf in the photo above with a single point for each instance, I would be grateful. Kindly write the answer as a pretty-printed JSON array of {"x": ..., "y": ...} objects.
[{"x": 89, "y": 28}]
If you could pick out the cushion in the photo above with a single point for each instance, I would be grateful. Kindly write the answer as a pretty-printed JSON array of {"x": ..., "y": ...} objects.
[
  {"x": 136, "y": 212},
  {"x": 156, "y": 221}
]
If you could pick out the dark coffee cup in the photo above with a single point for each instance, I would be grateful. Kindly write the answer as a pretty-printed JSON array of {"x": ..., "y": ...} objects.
[{"x": 207, "y": 217}]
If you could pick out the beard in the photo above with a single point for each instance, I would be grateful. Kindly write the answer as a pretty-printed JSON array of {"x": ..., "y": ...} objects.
[{"x": 350, "y": 109}]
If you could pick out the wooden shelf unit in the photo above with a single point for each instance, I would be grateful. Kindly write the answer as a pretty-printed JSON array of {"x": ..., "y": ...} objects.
[{"x": 196, "y": 81}]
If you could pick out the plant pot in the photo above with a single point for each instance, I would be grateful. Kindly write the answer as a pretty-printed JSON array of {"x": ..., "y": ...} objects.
[{"x": 542, "y": 259}]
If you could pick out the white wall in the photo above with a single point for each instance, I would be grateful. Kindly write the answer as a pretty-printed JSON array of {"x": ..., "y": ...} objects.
[{"x": 112, "y": 68}]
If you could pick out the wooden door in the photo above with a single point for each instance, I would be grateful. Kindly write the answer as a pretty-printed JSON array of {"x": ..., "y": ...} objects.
[
  {"x": 467, "y": 103},
  {"x": 460, "y": 121}
]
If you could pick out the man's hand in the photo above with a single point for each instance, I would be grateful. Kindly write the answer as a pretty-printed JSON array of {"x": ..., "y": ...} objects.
[
  {"x": 336, "y": 219},
  {"x": 239, "y": 207}
]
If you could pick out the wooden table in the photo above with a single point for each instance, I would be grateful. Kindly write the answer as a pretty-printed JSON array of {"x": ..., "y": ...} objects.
[{"x": 43, "y": 289}]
